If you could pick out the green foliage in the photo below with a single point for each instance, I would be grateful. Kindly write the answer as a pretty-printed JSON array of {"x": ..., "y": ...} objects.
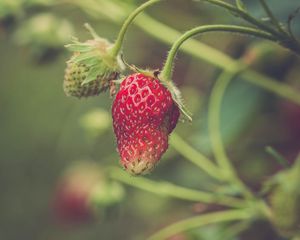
[{"x": 43, "y": 132}]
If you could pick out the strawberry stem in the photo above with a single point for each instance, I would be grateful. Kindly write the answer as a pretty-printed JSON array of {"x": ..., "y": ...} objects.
[
  {"x": 202, "y": 220},
  {"x": 282, "y": 36},
  {"x": 168, "y": 189},
  {"x": 196, "y": 48},
  {"x": 246, "y": 16},
  {"x": 271, "y": 16},
  {"x": 166, "y": 73},
  {"x": 214, "y": 113},
  {"x": 195, "y": 157},
  {"x": 119, "y": 42}
]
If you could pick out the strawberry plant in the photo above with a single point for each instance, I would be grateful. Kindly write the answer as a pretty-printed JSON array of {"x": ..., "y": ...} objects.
[
  {"x": 145, "y": 111},
  {"x": 149, "y": 117}
]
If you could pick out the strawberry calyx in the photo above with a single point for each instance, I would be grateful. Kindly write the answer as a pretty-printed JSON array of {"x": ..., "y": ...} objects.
[
  {"x": 95, "y": 55},
  {"x": 177, "y": 98}
]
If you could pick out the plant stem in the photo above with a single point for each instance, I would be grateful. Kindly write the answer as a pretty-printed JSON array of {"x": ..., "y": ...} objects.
[
  {"x": 271, "y": 16},
  {"x": 243, "y": 14},
  {"x": 277, "y": 156},
  {"x": 199, "y": 221},
  {"x": 282, "y": 37},
  {"x": 118, "y": 44},
  {"x": 170, "y": 190},
  {"x": 194, "y": 156},
  {"x": 216, "y": 58},
  {"x": 230, "y": 232},
  {"x": 194, "y": 48},
  {"x": 279, "y": 88},
  {"x": 166, "y": 73},
  {"x": 214, "y": 111}
]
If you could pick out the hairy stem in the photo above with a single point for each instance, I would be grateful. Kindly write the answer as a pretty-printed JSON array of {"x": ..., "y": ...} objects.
[
  {"x": 213, "y": 56},
  {"x": 199, "y": 221},
  {"x": 246, "y": 16},
  {"x": 194, "y": 48},
  {"x": 281, "y": 36},
  {"x": 166, "y": 73},
  {"x": 170, "y": 190},
  {"x": 118, "y": 44}
]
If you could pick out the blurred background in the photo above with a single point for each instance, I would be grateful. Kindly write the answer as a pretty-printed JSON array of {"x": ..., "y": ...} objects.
[{"x": 43, "y": 132}]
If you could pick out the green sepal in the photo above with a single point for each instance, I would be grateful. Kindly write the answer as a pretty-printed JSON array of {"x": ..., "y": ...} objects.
[
  {"x": 177, "y": 98},
  {"x": 77, "y": 46},
  {"x": 94, "y": 73},
  {"x": 136, "y": 69},
  {"x": 89, "y": 58},
  {"x": 176, "y": 94},
  {"x": 97, "y": 62}
]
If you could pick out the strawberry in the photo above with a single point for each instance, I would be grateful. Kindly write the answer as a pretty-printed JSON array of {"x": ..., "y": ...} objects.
[
  {"x": 91, "y": 68},
  {"x": 84, "y": 193},
  {"x": 144, "y": 114},
  {"x": 71, "y": 203},
  {"x": 77, "y": 73}
]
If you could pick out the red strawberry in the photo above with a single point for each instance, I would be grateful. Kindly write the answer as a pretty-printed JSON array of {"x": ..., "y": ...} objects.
[
  {"x": 72, "y": 197},
  {"x": 84, "y": 193},
  {"x": 144, "y": 114}
]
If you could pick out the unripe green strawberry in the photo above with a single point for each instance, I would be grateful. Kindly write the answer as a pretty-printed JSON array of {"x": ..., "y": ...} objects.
[
  {"x": 77, "y": 73},
  {"x": 285, "y": 202},
  {"x": 91, "y": 68}
]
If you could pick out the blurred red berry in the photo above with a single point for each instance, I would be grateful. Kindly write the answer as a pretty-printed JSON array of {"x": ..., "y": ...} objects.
[{"x": 72, "y": 196}]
